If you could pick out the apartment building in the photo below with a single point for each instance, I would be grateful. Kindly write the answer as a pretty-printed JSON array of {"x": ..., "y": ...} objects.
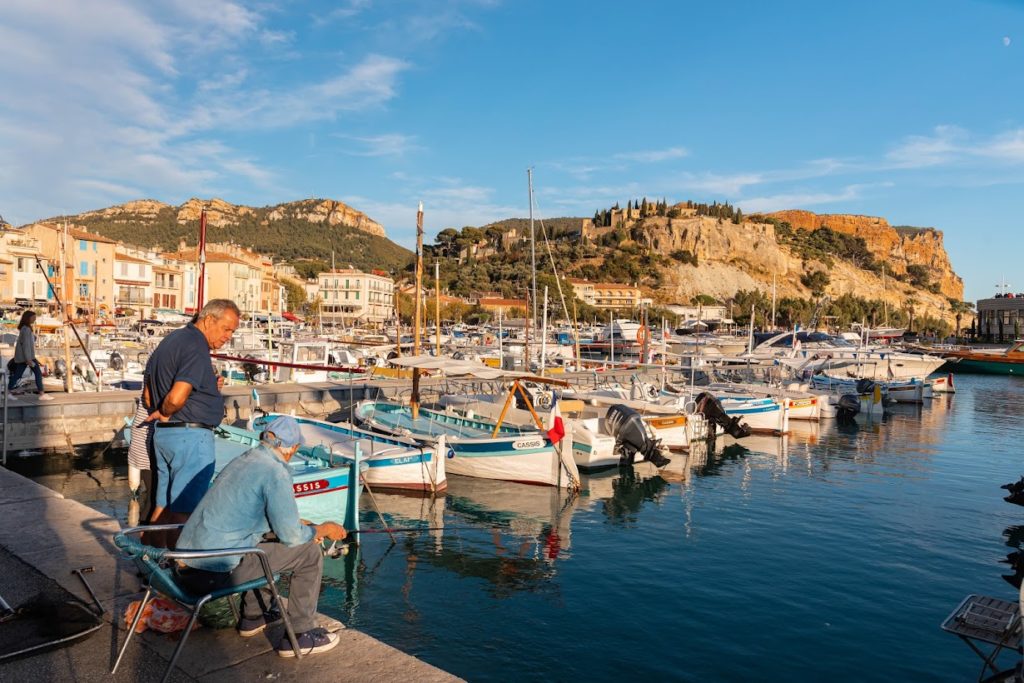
[
  {"x": 350, "y": 296},
  {"x": 21, "y": 280},
  {"x": 609, "y": 294},
  {"x": 89, "y": 265},
  {"x": 133, "y": 279}
]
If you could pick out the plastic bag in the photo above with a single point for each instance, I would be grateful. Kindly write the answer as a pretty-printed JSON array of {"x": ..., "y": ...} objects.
[{"x": 160, "y": 615}]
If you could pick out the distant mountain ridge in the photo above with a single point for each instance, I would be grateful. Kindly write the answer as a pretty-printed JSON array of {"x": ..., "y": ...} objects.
[{"x": 304, "y": 230}]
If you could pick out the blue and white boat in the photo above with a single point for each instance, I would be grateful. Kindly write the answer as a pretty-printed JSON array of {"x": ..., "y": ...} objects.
[
  {"x": 477, "y": 448},
  {"x": 392, "y": 462},
  {"x": 326, "y": 485}
]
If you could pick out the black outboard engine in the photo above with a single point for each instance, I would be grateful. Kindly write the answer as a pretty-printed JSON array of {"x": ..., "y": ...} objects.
[
  {"x": 711, "y": 408},
  {"x": 865, "y": 386},
  {"x": 115, "y": 362},
  {"x": 633, "y": 436},
  {"x": 1016, "y": 490},
  {"x": 847, "y": 407},
  {"x": 60, "y": 368}
]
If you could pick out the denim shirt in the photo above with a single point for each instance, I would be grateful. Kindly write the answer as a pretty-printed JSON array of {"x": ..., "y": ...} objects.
[{"x": 251, "y": 496}]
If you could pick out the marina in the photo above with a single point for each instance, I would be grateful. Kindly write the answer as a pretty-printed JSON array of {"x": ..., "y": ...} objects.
[{"x": 849, "y": 527}]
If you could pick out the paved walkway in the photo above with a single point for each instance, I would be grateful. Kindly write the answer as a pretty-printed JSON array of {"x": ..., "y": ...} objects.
[{"x": 53, "y": 535}]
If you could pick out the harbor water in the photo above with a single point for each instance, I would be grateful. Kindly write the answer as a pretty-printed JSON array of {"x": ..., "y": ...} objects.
[{"x": 833, "y": 554}]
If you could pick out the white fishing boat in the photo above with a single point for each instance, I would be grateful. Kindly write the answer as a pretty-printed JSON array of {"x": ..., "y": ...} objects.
[
  {"x": 391, "y": 462},
  {"x": 477, "y": 447}
]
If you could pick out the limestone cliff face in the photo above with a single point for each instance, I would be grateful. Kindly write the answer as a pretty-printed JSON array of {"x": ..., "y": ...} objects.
[
  {"x": 220, "y": 213},
  {"x": 147, "y": 209},
  {"x": 746, "y": 256},
  {"x": 326, "y": 211},
  {"x": 898, "y": 248}
]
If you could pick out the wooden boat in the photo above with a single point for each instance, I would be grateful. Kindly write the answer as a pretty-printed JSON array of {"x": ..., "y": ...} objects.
[
  {"x": 477, "y": 448},
  {"x": 391, "y": 462},
  {"x": 988, "y": 362},
  {"x": 326, "y": 485}
]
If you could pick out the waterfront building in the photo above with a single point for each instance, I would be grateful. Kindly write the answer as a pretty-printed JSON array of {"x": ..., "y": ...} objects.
[
  {"x": 1001, "y": 318},
  {"x": 133, "y": 277},
  {"x": 89, "y": 265},
  {"x": 21, "y": 280},
  {"x": 505, "y": 306},
  {"x": 609, "y": 295},
  {"x": 350, "y": 296}
]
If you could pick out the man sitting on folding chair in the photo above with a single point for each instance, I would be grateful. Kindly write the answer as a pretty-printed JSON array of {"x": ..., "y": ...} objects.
[{"x": 251, "y": 497}]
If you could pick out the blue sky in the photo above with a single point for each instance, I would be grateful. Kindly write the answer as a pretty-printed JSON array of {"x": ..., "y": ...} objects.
[{"x": 910, "y": 110}]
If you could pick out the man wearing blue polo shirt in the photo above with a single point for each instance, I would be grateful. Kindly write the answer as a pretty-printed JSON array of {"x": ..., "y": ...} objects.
[{"x": 183, "y": 392}]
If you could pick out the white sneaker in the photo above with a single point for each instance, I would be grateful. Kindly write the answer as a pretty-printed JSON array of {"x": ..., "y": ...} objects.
[{"x": 45, "y": 397}]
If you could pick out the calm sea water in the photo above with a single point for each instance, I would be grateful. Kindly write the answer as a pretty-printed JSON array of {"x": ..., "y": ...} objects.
[{"x": 832, "y": 555}]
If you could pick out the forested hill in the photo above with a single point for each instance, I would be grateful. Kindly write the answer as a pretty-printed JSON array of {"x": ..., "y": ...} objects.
[{"x": 303, "y": 233}]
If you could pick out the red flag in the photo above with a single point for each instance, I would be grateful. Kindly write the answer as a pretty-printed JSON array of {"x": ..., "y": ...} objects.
[{"x": 555, "y": 427}]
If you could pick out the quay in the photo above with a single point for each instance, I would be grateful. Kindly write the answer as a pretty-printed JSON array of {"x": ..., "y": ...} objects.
[
  {"x": 46, "y": 536},
  {"x": 97, "y": 417}
]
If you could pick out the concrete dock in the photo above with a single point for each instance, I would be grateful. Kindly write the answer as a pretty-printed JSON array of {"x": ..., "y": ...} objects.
[
  {"x": 45, "y": 536},
  {"x": 84, "y": 418}
]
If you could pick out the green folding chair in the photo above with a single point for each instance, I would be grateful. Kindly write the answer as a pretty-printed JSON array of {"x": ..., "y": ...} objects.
[{"x": 157, "y": 568}]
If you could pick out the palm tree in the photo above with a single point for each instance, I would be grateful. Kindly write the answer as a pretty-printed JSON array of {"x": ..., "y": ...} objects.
[
  {"x": 959, "y": 308},
  {"x": 911, "y": 303}
]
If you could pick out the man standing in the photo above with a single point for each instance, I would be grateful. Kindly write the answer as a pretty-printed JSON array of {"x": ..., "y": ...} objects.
[
  {"x": 184, "y": 394},
  {"x": 251, "y": 497}
]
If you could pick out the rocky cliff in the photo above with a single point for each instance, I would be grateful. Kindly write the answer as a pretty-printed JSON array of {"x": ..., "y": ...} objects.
[
  {"x": 306, "y": 231},
  {"x": 747, "y": 256},
  {"x": 220, "y": 213},
  {"x": 897, "y": 247}
]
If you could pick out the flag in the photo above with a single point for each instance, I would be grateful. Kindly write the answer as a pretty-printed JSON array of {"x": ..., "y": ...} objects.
[{"x": 555, "y": 426}]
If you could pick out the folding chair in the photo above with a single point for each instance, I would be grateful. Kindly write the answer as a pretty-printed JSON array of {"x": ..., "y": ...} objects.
[
  {"x": 157, "y": 568},
  {"x": 979, "y": 619}
]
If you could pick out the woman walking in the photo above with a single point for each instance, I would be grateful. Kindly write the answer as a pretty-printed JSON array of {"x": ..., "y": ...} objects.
[{"x": 25, "y": 356}]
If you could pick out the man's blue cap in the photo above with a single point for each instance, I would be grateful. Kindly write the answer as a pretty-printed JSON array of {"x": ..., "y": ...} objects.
[{"x": 286, "y": 429}]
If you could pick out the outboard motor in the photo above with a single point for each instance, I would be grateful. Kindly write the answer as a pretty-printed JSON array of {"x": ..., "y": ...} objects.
[
  {"x": 115, "y": 362},
  {"x": 1016, "y": 490},
  {"x": 847, "y": 407},
  {"x": 711, "y": 408},
  {"x": 60, "y": 368},
  {"x": 633, "y": 436},
  {"x": 865, "y": 386}
]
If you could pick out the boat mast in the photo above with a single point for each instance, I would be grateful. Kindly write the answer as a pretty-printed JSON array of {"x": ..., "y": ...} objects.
[
  {"x": 533, "y": 245},
  {"x": 437, "y": 305},
  {"x": 414, "y": 399},
  {"x": 68, "y": 375},
  {"x": 201, "y": 256},
  {"x": 774, "y": 291}
]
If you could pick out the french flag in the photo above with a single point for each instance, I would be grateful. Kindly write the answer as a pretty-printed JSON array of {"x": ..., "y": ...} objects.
[{"x": 555, "y": 426}]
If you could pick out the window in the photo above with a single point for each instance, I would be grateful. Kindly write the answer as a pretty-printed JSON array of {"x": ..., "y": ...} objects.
[
  {"x": 83, "y": 245},
  {"x": 357, "y": 296},
  {"x": 83, "y": 290},
  {"x": 95, "y": 246},
  {"x": 124, "y": 269},
  {"x": 83, "y": 268}
]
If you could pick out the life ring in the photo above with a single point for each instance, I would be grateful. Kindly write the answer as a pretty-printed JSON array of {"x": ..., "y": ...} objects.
[{"x": 642, "y": 334}]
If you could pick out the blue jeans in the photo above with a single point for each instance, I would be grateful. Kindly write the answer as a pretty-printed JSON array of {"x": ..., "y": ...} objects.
[
  {"x": 18, "y": 369},
  {"x": 184, "y": 466}
]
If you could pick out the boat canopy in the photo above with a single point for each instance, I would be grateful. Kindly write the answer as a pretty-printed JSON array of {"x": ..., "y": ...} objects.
[{"x": 465, "y": 368}]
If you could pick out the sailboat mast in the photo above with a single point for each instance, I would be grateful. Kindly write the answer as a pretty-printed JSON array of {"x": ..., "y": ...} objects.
[
  {"x": 437, "y": 305},
  {"x": 533, "y": 244},
  {"x": 414, "y": 399},
  {"x": 201, "y": 255}
]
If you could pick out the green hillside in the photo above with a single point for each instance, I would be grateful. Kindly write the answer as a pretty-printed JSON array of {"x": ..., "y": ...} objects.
[{"x": 293, "y": 240}]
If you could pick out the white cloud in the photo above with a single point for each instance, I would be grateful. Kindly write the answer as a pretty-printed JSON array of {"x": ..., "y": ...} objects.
[
  {"x": 653, "y": 156},
  {"x": 799, "y": 200},
  {"x": 383, "y": 145}
]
